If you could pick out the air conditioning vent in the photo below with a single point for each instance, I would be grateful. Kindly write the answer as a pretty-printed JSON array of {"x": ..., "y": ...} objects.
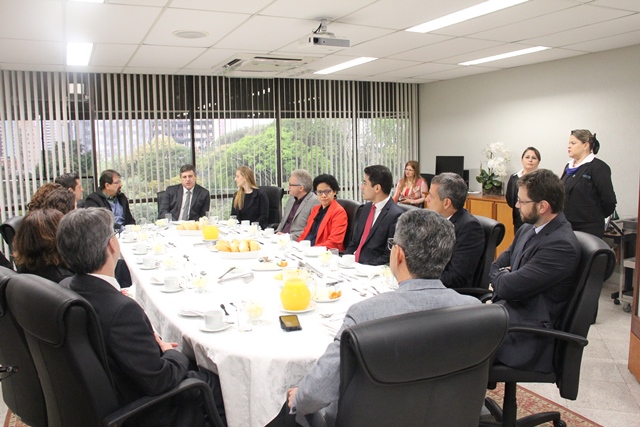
[{"x": 244, "y": 65}]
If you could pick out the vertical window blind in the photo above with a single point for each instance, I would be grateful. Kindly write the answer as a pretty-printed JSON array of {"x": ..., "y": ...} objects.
[{"x": 147, "y": 126}]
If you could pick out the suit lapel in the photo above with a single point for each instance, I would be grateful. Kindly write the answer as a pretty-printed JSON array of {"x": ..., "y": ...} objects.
[
  {"x": 304, "y": 202},
  {"x": 379, "y": 220},
  {"x": 572, "y": 180}
]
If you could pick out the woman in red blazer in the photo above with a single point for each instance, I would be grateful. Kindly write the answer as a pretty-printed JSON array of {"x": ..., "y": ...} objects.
[{"x": 327, "y": 222}]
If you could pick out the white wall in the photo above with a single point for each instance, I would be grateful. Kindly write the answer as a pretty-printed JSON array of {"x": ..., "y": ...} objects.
[{"x": 539, "y": 105}]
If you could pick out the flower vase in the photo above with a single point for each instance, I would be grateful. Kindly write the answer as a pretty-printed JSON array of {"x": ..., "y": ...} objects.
[{"x": 493, "y": 191}]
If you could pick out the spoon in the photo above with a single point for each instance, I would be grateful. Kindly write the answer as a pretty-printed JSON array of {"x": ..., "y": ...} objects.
[
  {"x": 362, "y": 293},
  {"x": 246, "y": 278},
  {"x": 225, "y": 273},
  {"x": 224, "y": 309}
]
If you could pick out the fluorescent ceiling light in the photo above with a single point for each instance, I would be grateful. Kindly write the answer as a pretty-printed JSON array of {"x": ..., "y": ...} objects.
[
  {"x": 484, "y": 8},
  {"x": 505, "y": 55},
  {"x": 345, "y": 65},
  {"x": 79, "y": 53}
]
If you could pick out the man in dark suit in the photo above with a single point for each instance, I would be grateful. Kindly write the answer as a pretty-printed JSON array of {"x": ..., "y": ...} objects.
[
  {"x": 176, "y": 197},
  {"x": 71, "y": 181},
  {"x": 141, "y": 363},
  {"x": 110, "y": 196},
  {"x": 447, "y": 195},
  {"x": 535, "y": 277},
  {"x": 374, "y": 228}
]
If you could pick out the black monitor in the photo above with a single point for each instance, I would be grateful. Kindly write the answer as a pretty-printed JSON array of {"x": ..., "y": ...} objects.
[{"x": 453, "y": 164}]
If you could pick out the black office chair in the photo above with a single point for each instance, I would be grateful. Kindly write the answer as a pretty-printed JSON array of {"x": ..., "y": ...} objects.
[
  {"x": 596, "y": 265},
  {"x": 159, "y": 198},
  {"x": 493, "y": 235},
  {"x": 407, "y": 207},
  {"x": 420, "y": 369},
  {"x": 65, "y": 340},
  {"x": 275, "y": 195},
  {"x": 352, "y": 208},
  {"x": 8, "y": 230},
  {"x": 21, "y": 390}
]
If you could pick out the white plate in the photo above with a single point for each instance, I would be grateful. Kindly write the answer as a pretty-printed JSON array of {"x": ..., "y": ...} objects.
[
  {"x": 240, "y": 255},
  {"x": 189, "y": 232},
  {"x": 209, "y": 240},
  {"x": 149, "y": 268},
  {"x": 312, "y": 306},
  {"x": 346, "y": 267},
  {"x": 322, "y": 301},
  {"x": 225, "y": 327},
  {"x": 170, "y": 291},
  {"x": 265, "y": 266},
  {"x": 129, "y": 241}
]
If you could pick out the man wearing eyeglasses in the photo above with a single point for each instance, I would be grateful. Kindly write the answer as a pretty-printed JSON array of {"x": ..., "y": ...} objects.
[
  {"x": 421, "y": 247},
  {"x": 535, "y": 277},
  {"x": 110, "y": 196},
  {"x": 301, "y": 201},
  {"x": 376, "y": 220}
]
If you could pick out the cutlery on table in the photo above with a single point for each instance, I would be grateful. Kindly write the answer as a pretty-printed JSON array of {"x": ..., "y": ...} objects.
[
  {"x": 224, "y": 309},
  {"x": 375, "y": 290},
  {"x": 225, "y": 273},
  {"x": 362, "y": 293},
  {"x": 246, "y": 278}
]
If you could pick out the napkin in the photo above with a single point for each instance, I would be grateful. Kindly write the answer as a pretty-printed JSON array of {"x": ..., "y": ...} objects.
[{"x": 333, "y": 323}]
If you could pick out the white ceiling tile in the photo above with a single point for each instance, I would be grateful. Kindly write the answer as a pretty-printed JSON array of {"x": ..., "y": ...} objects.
[
  {"x": 164, "y": 56},
  {"x": 242, "y": 6},
  {"x": 216, "y": 24},
  {"x": 606, "y": 43},
  {"x": 633, "y": 5},
  {"x": 446, "y": 49},
  {"x": 156, "y": 3},
  {"x": 552, "y": 23},
  {"x": 108, "y": 23},
  {"x": 212, "y": 59},
  {"x": 420, "y": 70},
  {"x": 589, "y": 32},
  {"x": 31, "y": 20},
  {"x": 30, "y": 52},
  {"x": 263, "y": 33},
  {"x": 392, "y": 44},
  {"x": 333, "y": 9},
  {"x": 495, "y": 50},
  {"x": 376, "y": 67},
  {"x": 150, "y": 70},
  {"x": 460, "y": 72},
  {"x": 117, "y": 55}
]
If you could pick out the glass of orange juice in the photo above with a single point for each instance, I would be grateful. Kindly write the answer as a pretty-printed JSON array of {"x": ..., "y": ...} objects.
[{"x": 210, "y": 232}]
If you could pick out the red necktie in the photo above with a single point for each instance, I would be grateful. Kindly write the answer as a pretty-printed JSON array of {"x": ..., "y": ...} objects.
[{"x": 365, "y": 233}]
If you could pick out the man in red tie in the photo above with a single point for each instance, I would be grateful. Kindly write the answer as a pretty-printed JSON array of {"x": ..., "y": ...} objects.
[{"x": 376, "y": 220}]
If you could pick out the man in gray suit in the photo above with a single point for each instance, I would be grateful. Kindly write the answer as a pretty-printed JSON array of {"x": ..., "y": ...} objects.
[
  {"x": 301, "y": 201},
  {"x": 421, "y": 247}
]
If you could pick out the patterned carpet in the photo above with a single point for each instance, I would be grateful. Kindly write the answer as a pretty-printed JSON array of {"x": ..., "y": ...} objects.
[
  {"x": 532, "y": 403},
  {"x": 528, "y": 403}
]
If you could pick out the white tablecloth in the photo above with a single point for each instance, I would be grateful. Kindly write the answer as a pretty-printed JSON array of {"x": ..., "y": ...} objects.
[{"x": 255, "y": 368}]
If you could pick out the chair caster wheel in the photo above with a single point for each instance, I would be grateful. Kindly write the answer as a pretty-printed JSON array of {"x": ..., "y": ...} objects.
[{"x": 559, "y": 423}]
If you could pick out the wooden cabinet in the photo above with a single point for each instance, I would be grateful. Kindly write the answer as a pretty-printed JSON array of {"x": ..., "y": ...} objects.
[{"x": 493, "y": 207}]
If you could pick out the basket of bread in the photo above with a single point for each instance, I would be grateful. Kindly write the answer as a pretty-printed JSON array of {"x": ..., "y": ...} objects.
[
  {"x": 238, "y": 249},
  {"x": 191, "y": 228}
]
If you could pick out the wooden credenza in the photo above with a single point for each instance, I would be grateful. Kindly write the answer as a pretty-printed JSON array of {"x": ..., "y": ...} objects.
[{"x": 493, "y": 207}]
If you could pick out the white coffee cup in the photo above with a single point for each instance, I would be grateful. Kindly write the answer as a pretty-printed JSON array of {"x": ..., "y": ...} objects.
[
  {"x": 347, "y": 260},
  {"x": 268, "y": 231},
  {"x": 214, "y": 319},
  {"x": 245, "y": 223},
  {"x": 140, "y": 248},
  {"x": 171, "y": 283},
  {"x": 304, "y": 244},
  {"x": 129, "y": 237},
  {"x": 149, "y": 262}
]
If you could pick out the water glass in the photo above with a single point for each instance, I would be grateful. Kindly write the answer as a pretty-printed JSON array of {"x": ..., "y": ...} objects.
[
  {"x": 169, "y": 218},
  {"x": 243, "y": 320}
]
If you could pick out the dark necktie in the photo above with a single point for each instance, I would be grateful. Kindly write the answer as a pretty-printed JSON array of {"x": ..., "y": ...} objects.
[
  {"x": 365, "y": 233},
  {"x": 185, "y": 209}
]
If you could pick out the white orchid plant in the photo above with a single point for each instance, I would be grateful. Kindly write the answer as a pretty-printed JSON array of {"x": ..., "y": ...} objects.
[{"x": 496, "y": 166}]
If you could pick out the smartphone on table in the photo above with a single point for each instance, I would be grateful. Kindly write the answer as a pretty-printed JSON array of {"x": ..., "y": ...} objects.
[{"x": 290, "y": 323}]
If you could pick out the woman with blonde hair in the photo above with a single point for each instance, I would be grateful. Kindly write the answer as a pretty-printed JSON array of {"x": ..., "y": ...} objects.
[
  {"x": 249, "y": 202},
  {"x": 411, "y": 188}
]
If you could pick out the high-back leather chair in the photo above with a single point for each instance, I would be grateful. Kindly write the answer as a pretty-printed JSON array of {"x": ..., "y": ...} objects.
[
  {"x": 21, "y": 390},
  {"x": 420, "y": 369},
  {"x": 493, "y": 235},
  {"x": 159, "y": 196},
  {"x": 407, "y": 207},
  {"x": 65, "y": 340},
  {"x": 596, "y": 265},
  {"x": 8, "y": 230},
  {"x": 351, "y": 207},
  {"x": 275, "y": 195}
]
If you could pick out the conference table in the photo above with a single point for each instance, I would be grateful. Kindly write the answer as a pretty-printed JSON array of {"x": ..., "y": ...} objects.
[{"x": 257, "y": 367}]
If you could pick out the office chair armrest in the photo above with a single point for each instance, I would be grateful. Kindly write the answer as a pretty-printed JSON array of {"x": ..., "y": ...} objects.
[
  {"x": 274, "y": 225},
  {"x": 118, "y": 417},
  {"x": 565, "y": 336}
]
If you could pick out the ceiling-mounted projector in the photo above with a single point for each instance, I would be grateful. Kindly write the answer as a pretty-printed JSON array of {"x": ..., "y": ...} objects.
[{"x": 323, "y": 39}]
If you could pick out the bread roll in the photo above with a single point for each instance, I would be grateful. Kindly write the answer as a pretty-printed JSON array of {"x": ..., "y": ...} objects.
[
  {"x": 244, "y": 246},
  {"x": 253, "y": 245},
  {"x": 235, "y": 247}
]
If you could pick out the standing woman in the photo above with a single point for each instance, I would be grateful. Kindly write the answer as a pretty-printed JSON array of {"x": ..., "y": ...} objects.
[
  {"x": 589, "y": 197},
  {"x": 530, "y": 161},
  {"x": 249, "y": 203},
  {"x": 327, "y": 223},
  {"x": 411, "y": 188}
]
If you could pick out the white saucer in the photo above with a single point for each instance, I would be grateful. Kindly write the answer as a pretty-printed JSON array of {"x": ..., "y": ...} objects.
[
  {"x": 141, "y": 253},
  {"x": 225, "y": 327},
  {"x": 210, "y": 240},
  {"x": 149, "y": 268},
  {"x": 129, "y": 241},
  {"x": 170, "y": 291},
  {"x": 346, "y": 267},
  {"x": 312, "y": 306},
  {"x": 323, "y": 301}
]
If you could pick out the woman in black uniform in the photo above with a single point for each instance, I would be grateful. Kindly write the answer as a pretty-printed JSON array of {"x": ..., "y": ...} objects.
[
  {"x": 530, "y": 161},
  {"x": 589, "y": 195}
]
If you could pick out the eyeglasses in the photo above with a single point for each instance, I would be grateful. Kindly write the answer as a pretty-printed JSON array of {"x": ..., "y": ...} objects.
[
  {"x": 524, "y": 202},
  {"x": 116, "y": 182},
  {"x": 409, "y": 170},
  {"x": 323, "y": 192},
  {"x": 391, "y": 243},
  {"x": 295, "y": 185}
]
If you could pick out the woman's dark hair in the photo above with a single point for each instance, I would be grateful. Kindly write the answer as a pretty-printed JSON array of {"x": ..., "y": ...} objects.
[
  {"x": 586, "y": 137},
  {"x": 35, "y": 243},
  {"x": 535, "y": 150},
  {"x": 60, "y": 199},
  {"x": 325, "y": 178},
  {"x": 38, "y": 198}
]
